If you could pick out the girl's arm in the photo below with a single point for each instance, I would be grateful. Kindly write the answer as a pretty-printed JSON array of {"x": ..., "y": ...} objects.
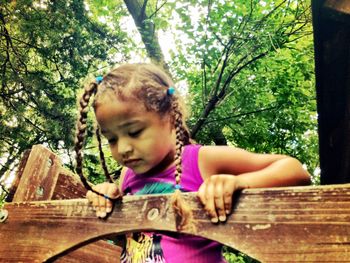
[{"x": 227, "y": 169}]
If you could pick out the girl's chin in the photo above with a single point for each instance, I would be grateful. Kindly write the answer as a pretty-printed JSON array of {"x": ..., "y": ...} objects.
[{"x": 139, "y": 169}]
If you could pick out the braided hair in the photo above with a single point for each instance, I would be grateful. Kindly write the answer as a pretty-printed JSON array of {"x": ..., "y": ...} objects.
[
  {"x": 148, "y": 84},
  {"x": 81, "y": 130}
]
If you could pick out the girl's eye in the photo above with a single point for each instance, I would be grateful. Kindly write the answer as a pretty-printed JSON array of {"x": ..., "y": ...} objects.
[
  {"x": 135, "y": 134},
  {"x": 112, "y": 141}
]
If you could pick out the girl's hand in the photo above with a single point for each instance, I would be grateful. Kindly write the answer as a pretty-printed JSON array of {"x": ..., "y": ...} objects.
[
  {"x": 102, "y": 205},
  {"x": 216, "y": 195}
]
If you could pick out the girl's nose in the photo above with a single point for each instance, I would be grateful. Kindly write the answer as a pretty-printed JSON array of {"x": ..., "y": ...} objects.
[{"x": 124, "y": 147}]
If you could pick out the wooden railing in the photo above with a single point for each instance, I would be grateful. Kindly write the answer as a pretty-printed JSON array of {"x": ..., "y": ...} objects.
[
  {"x": 40, "y": 176},
  {"x": 289, "y": 224},
  {"x": 295, "y": 224}
]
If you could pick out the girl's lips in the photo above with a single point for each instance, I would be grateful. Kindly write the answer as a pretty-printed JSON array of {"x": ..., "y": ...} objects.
[{"x": 131, "y": 162}]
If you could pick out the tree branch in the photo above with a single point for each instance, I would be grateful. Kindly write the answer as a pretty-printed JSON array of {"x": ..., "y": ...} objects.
[
  {"x": 243, "y": 114},
  {"x": 157, "y": 9}
]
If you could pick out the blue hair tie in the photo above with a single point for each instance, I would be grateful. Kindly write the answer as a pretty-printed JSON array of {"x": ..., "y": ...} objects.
[
  {"x": 170, "y": 91},
  {"x": 99, "y": 79},
  {"x": 177, "y": 186}
]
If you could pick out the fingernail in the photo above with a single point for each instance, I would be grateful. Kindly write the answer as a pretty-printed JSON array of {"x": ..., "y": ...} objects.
[
  {"x": 222, "y": 218},
  {"x": 108, "y": 209},
  {"x": 214, "y": 220},
  {"x": 227, "y": 212}
]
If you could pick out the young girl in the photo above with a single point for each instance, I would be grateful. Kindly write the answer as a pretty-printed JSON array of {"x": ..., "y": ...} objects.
[{"x": 139, "y": 111}]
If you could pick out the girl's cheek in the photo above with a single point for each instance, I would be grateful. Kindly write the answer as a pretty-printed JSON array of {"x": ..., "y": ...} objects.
[{"x": 115, "y": 154}]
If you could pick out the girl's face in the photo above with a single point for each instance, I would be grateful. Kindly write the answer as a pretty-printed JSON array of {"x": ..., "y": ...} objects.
[{"x": 140, "y": 140}]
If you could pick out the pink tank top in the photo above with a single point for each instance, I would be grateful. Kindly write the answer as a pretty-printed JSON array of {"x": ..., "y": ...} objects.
[{"x": 168, "y": 247}]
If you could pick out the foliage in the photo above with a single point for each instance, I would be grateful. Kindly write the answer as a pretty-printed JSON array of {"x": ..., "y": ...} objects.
[
  {"x": 233, "y": 256},
  {"x": 46, "y": 48},
  {"x": 248, "y": 66},
  {"x": 273, "y": 108}
]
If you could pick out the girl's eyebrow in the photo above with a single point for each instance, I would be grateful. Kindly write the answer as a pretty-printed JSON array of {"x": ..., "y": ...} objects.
[
  {"x": 129, "y": 123},
  {"x": 124, "y": 125}
]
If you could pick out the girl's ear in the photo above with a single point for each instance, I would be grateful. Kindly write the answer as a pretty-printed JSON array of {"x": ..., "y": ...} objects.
[
  {"x": 172, "y": 120},
  {"x": 173, "y": 134},
  {"x": 169, "y": 120},
  {"x": 173, "y": 125}
]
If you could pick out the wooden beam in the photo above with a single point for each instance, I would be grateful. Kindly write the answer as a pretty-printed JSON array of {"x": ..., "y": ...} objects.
[
  {"x": 40, "y": 176},
  {"x": 68, "y": 186},
  {"x": 331, "y": 20},
  {"x": 276, "y": 225}
]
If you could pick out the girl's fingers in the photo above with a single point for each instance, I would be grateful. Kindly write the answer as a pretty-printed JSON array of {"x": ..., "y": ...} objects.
[
  {"x": 228, "y": 202},
  {"x": 210, "y": 202},
  {"x": 216, "y": 195},
  {"x": 229, "y": 189},
  {"x": 201, "y": 193},
  {"x": 88, "y": 195},
  {"x": 205, "y": 194},
  {"x": 219, "y": 201},
  {"x": 101, "y": 204},
  {"x": 93, "y": 199},
  {"x": 95, "y": 203},
  {"x": 113, "y": 193}
]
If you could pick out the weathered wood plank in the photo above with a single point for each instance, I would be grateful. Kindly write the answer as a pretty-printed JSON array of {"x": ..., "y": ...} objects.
[
  {"x": 68, "y": 186},
  {"x": 97, "y": 252},
  {"x": 40, "y": 176},
  {"x": 331, "y": 20},
  {"x": 272, "y": 225}
]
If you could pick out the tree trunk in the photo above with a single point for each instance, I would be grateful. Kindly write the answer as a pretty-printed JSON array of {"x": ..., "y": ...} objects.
[{"x": 148, "y": 32}]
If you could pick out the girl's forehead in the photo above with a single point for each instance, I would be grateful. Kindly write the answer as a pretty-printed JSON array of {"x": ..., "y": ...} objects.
[
  {"x": 118, "y": 108},
  {"x": 118, "y": 112}
]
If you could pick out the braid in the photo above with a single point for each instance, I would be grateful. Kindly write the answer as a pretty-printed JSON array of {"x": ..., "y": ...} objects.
[
  {"x": 183, "y": 212},
  {"x": 102, "y": 156},
  {"x": 81, "y": 131},
  {"x": 179, "y": 142}
]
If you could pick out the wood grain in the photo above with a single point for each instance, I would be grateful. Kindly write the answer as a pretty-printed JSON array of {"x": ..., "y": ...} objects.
[
  {"x": 331, "y": 28},
  {"x": 296, "y": 224},
  {"x": 40, "y": 176}
]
